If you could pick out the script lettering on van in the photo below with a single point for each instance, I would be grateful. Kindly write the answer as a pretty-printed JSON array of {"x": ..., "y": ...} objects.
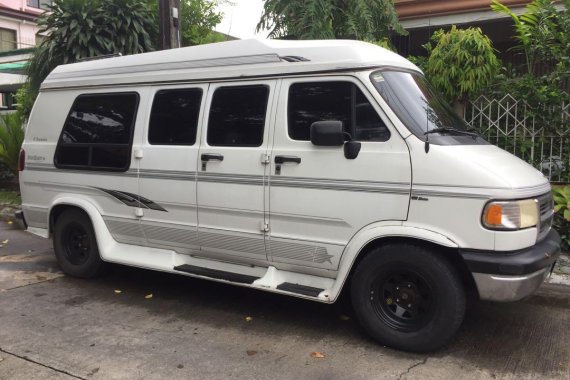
[
  {"x": 35, "y": 158},
  {"x": 39, "y": 139}
]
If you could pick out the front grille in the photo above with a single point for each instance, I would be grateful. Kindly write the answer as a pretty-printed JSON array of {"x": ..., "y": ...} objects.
[{"x": 546, "y": 207}]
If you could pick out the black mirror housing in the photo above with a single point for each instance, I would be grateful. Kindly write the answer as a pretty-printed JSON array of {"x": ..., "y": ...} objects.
[
  {"x": 351, "y": 149},
  {"x": 327, "y": 133}
]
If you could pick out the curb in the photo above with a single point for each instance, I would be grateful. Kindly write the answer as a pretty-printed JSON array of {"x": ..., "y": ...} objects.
[{"x": 561, "y": 273}]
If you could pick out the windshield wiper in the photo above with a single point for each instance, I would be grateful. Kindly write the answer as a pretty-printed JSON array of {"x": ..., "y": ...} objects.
[{"x": 452, "y": 130}]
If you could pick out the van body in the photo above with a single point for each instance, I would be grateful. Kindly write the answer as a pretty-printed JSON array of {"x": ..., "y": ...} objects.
[{"x": 296, "y": 167}]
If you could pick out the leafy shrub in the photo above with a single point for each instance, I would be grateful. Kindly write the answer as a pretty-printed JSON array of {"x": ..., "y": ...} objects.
[
  {"x": 461, "y": 63},
  {"x": 11, "y": 138},
  {"x": 562, "y": 214}
]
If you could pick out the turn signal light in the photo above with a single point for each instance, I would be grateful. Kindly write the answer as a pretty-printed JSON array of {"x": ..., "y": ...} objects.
[
  {"x": 494, "y": 215},
  {"x": 511, "y": 215}
]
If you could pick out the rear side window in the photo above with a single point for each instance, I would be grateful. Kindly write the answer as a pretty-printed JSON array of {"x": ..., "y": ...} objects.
[
  {"x": 339, "y": 100},
  {"x": 98, "y": 133},
  {"x": 174, "y": 117},
  {"x": 237, "y": 116}
]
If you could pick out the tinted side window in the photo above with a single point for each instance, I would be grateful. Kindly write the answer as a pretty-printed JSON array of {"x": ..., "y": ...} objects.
[
  {"x": 174, "y": 117},
  {"x": 237, "y": 116},
  {"x": 98, "y": 133},
  {"x": 343, "y": 101}
]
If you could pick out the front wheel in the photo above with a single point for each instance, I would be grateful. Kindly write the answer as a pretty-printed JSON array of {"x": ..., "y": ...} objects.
[
  {"x": 407, "y": 297},
  {"x": 75, "y": 245}
]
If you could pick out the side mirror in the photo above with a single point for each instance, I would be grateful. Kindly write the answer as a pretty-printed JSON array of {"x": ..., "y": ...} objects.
[
  {"x": 351, "y": 149},
  {"x": 327, "y": 133}
]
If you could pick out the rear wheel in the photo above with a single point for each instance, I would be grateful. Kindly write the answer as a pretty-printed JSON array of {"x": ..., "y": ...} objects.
[
  {"x": 407, "y": 297},
  {"x": 75, "y": 245}
]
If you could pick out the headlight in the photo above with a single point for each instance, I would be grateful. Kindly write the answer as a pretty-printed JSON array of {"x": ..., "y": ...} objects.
[{"x": 511, "y": 215}]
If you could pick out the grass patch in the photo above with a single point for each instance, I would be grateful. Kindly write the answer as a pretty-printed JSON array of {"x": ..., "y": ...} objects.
[{"x": 8, "y": 197}]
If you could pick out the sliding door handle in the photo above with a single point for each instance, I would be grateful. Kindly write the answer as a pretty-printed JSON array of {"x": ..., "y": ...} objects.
[
  {"x": 284, "y": 159},
  {"x": 211, "y": 157}
]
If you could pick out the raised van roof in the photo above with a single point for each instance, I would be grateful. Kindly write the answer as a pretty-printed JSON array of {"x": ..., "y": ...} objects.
[{"x": 224, "y": 60}]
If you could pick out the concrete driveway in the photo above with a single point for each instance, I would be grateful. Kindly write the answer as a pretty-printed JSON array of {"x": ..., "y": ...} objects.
[{"x": 57, "y": 327}]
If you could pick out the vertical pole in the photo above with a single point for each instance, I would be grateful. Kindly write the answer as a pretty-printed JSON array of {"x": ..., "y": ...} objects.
[{"x": 169, "y": 24}]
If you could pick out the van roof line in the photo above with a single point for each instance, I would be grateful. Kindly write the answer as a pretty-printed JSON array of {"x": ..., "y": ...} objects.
[{"x": 231, "y": 59}]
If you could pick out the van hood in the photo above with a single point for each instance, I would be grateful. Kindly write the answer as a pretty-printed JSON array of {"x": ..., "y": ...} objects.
[{"x": 479, "y": 169}]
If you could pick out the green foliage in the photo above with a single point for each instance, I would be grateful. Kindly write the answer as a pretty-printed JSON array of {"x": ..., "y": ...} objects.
[
  {"x": 461, "y": 63},
  {"x": 10, "y": 198},
  {"x": 11, "y": 139},
  {"x": 539, "y": 33},
  {"x": 370, "y": 20},
  {"x": 88, "y": 28},
  {"x": 562, "y": 214},
  {"x": 198, "y": 18},
  {"x": 543, "y": 36},
  {"x": 25, "y": 99}
]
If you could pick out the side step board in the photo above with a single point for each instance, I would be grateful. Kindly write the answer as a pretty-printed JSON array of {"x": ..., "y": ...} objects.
[
  {"x": 289, "y": 287},
  {"x": 300, "y": 289},
  {"x": 217, "y": 274}
]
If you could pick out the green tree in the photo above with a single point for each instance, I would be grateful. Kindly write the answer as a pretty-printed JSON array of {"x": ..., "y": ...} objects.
[
  {"x": 543, "y": 37},
  {"x": 86, "y": 28},
  {"x": 371, "y": 20},
  {"x": 198, "y": 18},
  {"x": 461, "y": 64},
  {"x": 539, "y": 33}
]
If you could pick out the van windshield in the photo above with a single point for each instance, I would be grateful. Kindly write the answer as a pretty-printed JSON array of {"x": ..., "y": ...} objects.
[{"x": 421, "y": 109}]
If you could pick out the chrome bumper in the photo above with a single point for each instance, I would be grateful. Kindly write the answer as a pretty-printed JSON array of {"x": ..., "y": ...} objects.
[{"x": 494, "y": 287}]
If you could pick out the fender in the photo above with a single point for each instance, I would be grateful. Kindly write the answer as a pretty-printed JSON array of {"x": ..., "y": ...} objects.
[
  {"x": 104, "y": 238},
  {"x": 377, "y": 231},
  {"x": 113, "y": 251}
]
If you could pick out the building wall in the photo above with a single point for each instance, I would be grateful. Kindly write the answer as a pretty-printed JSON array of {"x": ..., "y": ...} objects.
[
  {"x": 21, "y": 5},
  {"x": 18, "y": 16}
]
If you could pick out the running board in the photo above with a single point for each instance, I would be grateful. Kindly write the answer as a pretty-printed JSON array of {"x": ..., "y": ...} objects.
[
  {"x": 300, "y": 289},
  {"x": 217, "y": 274}
]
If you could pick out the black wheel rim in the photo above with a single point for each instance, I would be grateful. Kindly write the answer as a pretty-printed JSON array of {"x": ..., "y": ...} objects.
[
  {"x": 77, "y": 244},
  {"x": 402, "y": 299}
]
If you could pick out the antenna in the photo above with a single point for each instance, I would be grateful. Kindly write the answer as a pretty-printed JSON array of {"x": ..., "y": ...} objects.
[
  {"x": 426, "y": 147},
  {"x": 427, "y": 130}
]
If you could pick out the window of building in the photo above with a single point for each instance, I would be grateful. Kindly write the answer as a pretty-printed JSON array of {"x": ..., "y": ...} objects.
[
  {"x": 39, "y": 3},
  {"x": 237, "y": 116},
  {"x": 98, "y": 133},
  {"x": 343, "y": 101},
  {"x": 174, "y": 117},
  {"x": 8, "y": 40}
]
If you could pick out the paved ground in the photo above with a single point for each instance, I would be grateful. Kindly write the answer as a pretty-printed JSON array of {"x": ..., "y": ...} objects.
[{"x": 57, "y": 327}]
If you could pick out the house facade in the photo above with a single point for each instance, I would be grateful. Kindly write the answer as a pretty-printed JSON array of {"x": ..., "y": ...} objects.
[{"x": 18, "y": 36}]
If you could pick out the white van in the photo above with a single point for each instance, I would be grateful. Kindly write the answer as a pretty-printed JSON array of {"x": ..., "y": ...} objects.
[{"x": 296, "y": 167}]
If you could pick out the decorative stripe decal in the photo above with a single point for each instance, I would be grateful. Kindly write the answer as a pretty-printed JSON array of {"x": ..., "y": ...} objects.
[
  {"x": 132, "y": 200},
  {"x": 341, "y": 185},
  {"x": 417, "y": 190}
]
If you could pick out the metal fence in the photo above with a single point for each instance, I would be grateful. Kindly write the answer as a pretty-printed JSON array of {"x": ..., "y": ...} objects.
[{"x": 538, "y": 135}]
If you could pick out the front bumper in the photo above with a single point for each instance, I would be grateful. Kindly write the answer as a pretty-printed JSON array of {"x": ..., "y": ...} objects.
[{"x": 510, "y": 276}]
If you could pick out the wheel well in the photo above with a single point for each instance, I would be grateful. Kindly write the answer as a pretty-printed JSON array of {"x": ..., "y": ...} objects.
[
  {"x": 449, "y": 254},
  {"x": 56, "y": 212}
]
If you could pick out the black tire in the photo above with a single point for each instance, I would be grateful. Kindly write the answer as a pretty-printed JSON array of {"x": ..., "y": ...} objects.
[
  {"x": 407, "y": 297},
  {"x": 75, "y": 245}
]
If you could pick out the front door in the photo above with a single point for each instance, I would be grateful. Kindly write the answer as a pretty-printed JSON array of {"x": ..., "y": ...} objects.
[
  {"x": 232, "y": 172},
  {"x": 318, "y": 198}
]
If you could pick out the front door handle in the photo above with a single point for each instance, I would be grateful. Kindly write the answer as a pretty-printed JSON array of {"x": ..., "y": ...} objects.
[
  {"x": 211, "y": 157},
  {"x": 283, "y": 159}
]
